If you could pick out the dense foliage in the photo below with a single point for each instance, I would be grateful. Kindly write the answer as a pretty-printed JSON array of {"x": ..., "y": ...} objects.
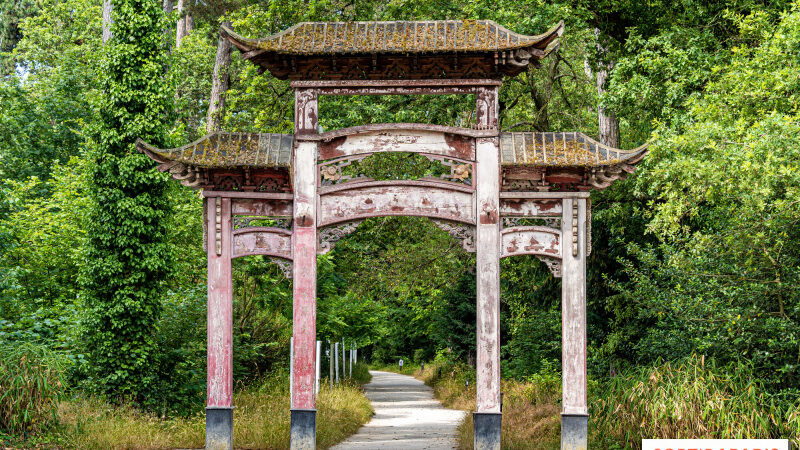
[
  {"x": 695, "y": 254},
  {"x": 127, "y": 258}
]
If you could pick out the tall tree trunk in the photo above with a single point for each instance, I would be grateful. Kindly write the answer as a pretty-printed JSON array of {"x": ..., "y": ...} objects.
[
  {"x": 220, "y": 83},
  {"x": 185, "y": 23},
  {"x": 107, "y": 20},
  {"x": 607, "y": 120}
]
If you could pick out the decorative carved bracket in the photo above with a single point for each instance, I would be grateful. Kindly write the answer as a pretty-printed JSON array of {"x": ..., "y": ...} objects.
[
  {"x": 330, "y": 235},
  {"x": 554, "y": 264},
  {"x": 285, "y": 265},
  {"x": 461, "y": 231}
]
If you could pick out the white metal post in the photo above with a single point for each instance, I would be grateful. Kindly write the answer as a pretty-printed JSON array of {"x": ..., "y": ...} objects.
[{"x": 316, "y": 381}]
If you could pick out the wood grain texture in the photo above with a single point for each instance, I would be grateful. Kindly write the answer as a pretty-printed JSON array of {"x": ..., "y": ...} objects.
[{"x": 573, "y": 309}]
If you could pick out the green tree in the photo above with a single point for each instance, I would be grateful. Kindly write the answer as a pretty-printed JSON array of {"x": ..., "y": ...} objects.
[{"x": 127, "y": 258}]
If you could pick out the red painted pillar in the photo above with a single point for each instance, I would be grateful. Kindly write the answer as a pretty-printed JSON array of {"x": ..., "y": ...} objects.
[
  {"x": 487, "y": 418},
  {"x": 304, "y": 253},
  {"x": 575, "y": 412},
  {"x": 219, "y": 402}
]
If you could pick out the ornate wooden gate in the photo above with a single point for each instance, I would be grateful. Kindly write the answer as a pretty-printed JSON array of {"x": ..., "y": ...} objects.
[{"x": 291, "y": 197}]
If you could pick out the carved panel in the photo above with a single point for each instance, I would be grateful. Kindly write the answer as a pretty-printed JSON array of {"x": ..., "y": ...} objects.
[
  {"x": 411, "y": 198},
  {"x": 262, "y": 241},
  {"x": 261, "y": 208},
  {"x": 531, "y": 241},
  {"x": 305, "y": 111},
  {"x": 418, "y": 141}
]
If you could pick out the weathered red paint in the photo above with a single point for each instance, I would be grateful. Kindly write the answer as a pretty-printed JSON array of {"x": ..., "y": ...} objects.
[
  {"x": 220, "y": 308},
  {"x": 262, "y": 208},
  {"x": 304, "y": 287},
  {"x": 531, "y": 241},
  {"x": 409, "y": 198},
  {"x": 364, "y": 84},
  {"x": 266, "y": 241}
]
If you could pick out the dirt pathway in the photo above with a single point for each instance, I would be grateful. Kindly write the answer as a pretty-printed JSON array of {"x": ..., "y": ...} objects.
[{"x": 406, "y": 417}]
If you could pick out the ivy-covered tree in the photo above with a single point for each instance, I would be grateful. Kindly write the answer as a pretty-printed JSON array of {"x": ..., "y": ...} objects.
[{"x": 127, "y": 257}]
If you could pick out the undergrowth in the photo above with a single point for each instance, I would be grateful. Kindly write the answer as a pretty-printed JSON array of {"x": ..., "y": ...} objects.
[{"x": 261, "y": 420}]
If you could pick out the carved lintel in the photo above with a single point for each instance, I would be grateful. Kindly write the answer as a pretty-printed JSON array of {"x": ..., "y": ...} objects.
[
  {"x": 330, "y": 235},
  {"x": 218, "y": 225},
  {"x": 461, "y": 231},
  {"x": 285, "y": 265},
  {"x": 575, "y": 228},
  {"x": 554, "y": 264}
]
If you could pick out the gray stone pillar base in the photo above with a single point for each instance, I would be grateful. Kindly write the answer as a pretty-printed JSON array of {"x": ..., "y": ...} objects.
[
  {"x": 304, "y": 429},
  {"x": 487, "y": 430},
  {"x": 219, "y": 428},
  {"x": 574, "y": 431}
]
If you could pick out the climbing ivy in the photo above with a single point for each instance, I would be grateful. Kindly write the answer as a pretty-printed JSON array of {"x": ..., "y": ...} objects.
[{"x": 127, "y": 258}]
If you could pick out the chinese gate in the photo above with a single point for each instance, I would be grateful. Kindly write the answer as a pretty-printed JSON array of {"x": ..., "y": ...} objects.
[{"x": 495, "y": 186}]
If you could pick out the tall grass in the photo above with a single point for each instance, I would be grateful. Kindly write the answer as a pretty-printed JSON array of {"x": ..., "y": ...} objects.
[
  {"x": 31, "y": 384},
  {"x": 690, "y": 399},
  {"x": 261, "y": 420}
]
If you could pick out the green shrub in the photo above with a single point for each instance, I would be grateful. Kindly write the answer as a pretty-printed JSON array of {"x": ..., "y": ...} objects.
[{"x": 31, "y": 384}]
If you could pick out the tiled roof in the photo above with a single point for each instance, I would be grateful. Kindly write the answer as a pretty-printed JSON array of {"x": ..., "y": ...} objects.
[
  {"x": 265, "y": 150},
  {"x": 439, "y": 36},
  {"x": 229, "y": 150},
  {"x": 566, "y": 149}
]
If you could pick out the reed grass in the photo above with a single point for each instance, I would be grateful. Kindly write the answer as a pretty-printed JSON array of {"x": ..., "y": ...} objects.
[
  {"x": 690, "y": 399},
  {"x": 31, "y": 385}
]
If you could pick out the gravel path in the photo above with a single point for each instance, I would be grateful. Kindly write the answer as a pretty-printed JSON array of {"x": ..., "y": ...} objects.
[{"x": 406, "y": 417}]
